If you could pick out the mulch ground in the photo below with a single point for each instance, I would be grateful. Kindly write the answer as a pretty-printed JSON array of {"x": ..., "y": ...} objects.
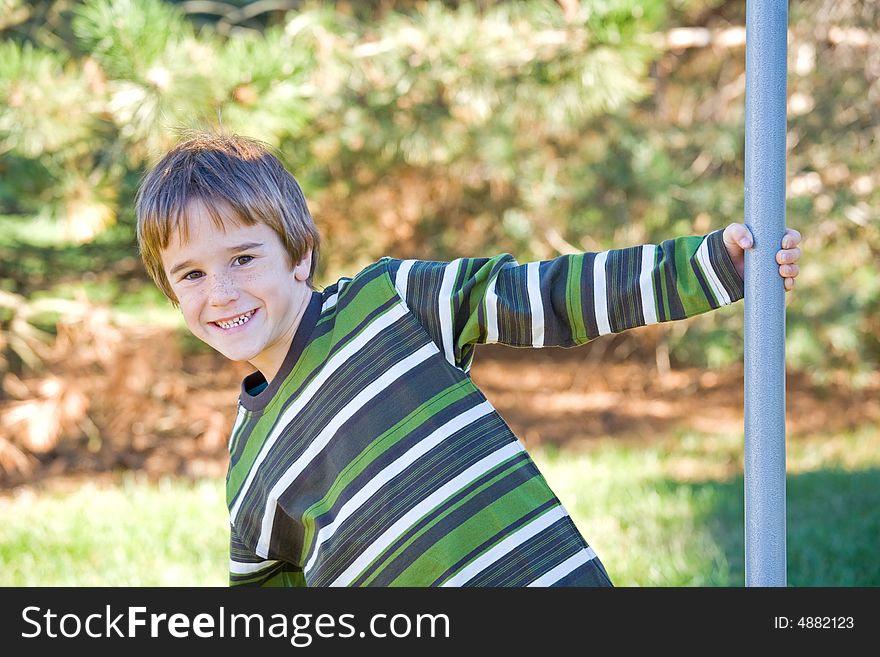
[{"x": 171, "y": 415}]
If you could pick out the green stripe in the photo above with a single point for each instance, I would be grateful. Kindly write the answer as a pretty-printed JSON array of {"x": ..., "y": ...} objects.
[
  {"x": 376, "y": 293},
  {"x": 692, "y": 298},
  {"x": 472, "y": 330},
  {"x": 574, "y": 303},
  {"x": 376, "y": 449},
  {"x": 386, "y": 558},
  {"x": 476, "y": 530},
  {"x": 285, "y": 578}
]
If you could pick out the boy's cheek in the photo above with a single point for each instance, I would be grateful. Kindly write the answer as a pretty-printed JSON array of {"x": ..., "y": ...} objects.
[
  {"x": 185, "y": 298},
  {"x": 189, "y": 308},
  {"x": 191, "y": 316}
]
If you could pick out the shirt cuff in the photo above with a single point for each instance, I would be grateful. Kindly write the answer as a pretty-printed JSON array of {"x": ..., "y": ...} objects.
[{"x": 724, "y": 268}]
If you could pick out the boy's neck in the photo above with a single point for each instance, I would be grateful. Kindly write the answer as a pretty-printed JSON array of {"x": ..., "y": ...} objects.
[{"x": 270, "y": 361}]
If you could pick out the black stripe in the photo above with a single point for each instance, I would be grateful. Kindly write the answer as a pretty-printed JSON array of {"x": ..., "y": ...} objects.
[
  {"x": 704, "y": 284},
  {"x": 657, "y": 287},
  {"x": 458, "y": 517},
  {"x": 470, "y": 556},
  {"x": 388, "y": 347},
  {"x": 724, "y": 267},
  {"x": 366, "y": 426},
  {"x": 553, "y": 276},
  {"x": 588, "y": 304},
  {"x": 520, "y": 567},
  {"x": 623, "y": 294},
  {"x": 591, "y": 573},
  {"x": 427, "y": 474},
  {"x": 676, "y": 309}
]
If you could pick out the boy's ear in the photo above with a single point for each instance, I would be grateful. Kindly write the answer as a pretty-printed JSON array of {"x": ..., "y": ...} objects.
[{"x": 301, "y": 270}]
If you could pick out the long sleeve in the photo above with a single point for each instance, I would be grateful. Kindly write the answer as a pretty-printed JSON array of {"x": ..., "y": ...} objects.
[{"x": 566, "y": 301}]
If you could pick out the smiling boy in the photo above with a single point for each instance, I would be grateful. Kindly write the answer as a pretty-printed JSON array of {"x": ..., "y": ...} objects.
[
  {"x": 233, "y": 294},
  {"x": 362, "y": 453}
]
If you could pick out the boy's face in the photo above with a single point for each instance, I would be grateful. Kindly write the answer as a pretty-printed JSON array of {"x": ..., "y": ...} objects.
[{"x": 236, "y": 290}]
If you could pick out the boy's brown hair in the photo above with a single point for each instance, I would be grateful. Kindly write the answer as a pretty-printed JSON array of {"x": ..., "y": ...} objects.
[{"x": 239, "y": 172}]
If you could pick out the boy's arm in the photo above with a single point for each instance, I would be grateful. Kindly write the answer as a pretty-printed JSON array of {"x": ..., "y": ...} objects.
[
  {"x": 566, "y": 301},
  {"x": 248, "y": 569}
]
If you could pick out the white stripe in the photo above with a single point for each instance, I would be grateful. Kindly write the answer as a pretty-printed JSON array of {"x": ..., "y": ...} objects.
[
  {"x": 492, "y": 312},
  {"x": 438, "y": 496},
  {"x": 244, "y": 568},
  {"x": 372, "y": 487},
  {"x": 333, "y": 298},
  {"x": 537, "y": 307},
  {"x": 315, "y": 447},
  {"x": 646, "y": 284},
  {"x": 313, "y": 388},
  {"x": 600, "y": 293},
  {"x": 505, "y": 547},
  {"x": 563, "y": 569},
  {"x": 444, "y": 308},
  {"x": 718, "y": 290},
  {"x": 402, "y": 277},
  {"x": 238, "y": 420}
]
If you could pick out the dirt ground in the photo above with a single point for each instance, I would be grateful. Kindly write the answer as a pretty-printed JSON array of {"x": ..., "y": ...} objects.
[{"x": 164, "y": 414}]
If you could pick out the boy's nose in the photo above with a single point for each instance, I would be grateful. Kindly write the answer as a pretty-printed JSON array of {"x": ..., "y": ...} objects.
[{"x": 222, "y": 291}]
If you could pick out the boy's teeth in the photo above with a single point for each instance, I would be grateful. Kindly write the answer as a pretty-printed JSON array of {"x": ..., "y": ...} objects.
[{"x": 238, "y": 321}]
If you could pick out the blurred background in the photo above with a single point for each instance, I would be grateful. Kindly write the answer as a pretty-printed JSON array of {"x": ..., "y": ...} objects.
[{"x": 436, "y": 129}]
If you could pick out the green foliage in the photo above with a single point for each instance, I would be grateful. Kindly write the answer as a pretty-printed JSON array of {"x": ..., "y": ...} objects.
[
  {"x": 158, "y": 74},
  {"x": 129, "y": 38},
  {"x": 46, "y": 108},
  {"x": 266, "y": 78},
  {"x": 442, "y": 129}
]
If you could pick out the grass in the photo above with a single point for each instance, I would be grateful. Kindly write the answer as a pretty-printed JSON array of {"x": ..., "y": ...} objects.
[
  {"x": 666, "y": 513},
  {"x": 671, "y": 514},
  {"x": 131, "y": 534}
]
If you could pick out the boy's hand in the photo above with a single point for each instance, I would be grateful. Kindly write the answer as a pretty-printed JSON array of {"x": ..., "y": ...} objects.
[{"x": 738, "y": 238}]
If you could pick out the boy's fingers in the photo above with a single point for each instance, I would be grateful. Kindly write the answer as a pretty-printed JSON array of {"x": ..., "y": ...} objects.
[
  {"x": 788, "y": 255},
  {"x": 740, "y": 234},
  {"x": 791, "y": 238}
]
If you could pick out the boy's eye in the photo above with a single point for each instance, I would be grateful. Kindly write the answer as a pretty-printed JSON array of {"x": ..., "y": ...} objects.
[
  {"x": 244, "y": 259},
  {"x": 193, "y": 275}
]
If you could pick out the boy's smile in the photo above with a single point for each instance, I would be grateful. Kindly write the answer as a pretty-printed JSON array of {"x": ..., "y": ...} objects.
[{"x": 235, "y": 286}]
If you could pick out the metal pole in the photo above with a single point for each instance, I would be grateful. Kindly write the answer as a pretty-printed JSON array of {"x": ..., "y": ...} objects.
[{"x": 766, "y": 50}]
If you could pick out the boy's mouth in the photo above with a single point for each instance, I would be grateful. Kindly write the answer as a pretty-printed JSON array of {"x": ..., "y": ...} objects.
[{"x": 238, "y": 320}]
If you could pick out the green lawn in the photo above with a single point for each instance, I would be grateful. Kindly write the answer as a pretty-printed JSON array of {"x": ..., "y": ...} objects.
[
  {"x": 131, "y": 534},
  {"x": 658, "y": 514},
  {"x": 672, "y": 514}
]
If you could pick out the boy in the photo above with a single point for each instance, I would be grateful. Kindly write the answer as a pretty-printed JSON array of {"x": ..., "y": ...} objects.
[{"x": 362, "y": 453}]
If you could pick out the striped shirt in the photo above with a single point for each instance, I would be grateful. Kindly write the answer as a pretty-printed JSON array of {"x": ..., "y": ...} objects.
[{"x": 372, "y": 459}]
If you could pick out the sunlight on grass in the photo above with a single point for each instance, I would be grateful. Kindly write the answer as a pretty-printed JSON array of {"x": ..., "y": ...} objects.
[
  {"x": 133, "y": 534},
  {"x": 664, "y": 513},
  {"x": 670, "y": 513},
  {"x": 644, "y": 529}
]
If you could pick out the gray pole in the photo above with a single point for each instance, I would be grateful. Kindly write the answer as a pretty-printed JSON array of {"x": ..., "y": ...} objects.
[{"x": 766, "y": 50}]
